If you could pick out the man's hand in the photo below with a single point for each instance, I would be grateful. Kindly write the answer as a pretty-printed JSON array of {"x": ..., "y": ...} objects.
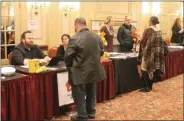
[
  {"x": 26, "y": 61},
  {"x": 181, "y": 31},
  {"x": 43, "y": 62},
  {"x": 47, "y": 58},
  {"x": 68, "y": 87}
]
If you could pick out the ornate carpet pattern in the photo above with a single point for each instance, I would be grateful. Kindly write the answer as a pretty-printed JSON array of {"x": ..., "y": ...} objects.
[{"x": 165, "y": 102}]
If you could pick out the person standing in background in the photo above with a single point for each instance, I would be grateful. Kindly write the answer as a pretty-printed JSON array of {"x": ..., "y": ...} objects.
[
  {"x": 124, "y": 35},
  {"x": 177, "y": 33},
  {"x": 109, "y": 33}
]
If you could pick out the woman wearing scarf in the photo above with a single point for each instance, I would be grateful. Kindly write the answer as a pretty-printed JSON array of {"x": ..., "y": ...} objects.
[
  {"x": 151, "y": 55},
  {"x": 109, "y": 33}
]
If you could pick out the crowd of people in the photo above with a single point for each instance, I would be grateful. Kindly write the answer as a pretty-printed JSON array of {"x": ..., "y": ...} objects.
[{"x": 82, "y": 53}]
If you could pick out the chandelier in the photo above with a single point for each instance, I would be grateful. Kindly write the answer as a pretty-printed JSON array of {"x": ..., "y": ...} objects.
[{"x": 37, "y": 5}]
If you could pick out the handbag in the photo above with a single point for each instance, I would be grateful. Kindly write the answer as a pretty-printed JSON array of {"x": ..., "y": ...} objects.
[{"x": 166, "y": 49}]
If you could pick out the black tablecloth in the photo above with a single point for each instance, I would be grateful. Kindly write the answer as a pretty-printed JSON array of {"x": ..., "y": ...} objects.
[
  {"x": 126, "y": 75},
  {"x": 127, "y": 78}
]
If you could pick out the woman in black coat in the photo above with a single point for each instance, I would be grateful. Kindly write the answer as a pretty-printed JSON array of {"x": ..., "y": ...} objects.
[
  {"x": 62, "y": 48},
  {"x": 177, "y": 32}
]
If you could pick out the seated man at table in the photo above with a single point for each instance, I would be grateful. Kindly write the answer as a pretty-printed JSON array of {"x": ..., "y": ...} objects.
[{"x": 27, "y": 50}]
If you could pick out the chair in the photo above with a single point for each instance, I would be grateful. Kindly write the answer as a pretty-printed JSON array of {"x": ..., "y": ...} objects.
[
  {"x": 10, "y": 57},
  {"x": 52, "y": 52},
  {"x": 2, "y": 53}
]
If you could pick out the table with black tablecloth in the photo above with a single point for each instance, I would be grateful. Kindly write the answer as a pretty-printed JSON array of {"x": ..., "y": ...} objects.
[
  {"x": 16, "y": 98},
  {"x": 126, "y": 74}
]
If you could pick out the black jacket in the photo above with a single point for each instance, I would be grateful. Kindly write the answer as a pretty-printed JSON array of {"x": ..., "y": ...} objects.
[
  {"x": 83, "y": 57},
  {"x": 20, "y": 53},
  {"x": 176, "y": 36},
  {"x": 125, "y": 36}
]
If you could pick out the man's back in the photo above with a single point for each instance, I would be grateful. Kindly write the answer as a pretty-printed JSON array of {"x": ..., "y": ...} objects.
[
  {"x": 89, "y": 48},
  {"x": 86, "y": 62}
]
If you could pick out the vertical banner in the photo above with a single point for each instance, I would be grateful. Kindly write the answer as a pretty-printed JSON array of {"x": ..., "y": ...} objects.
[{"x": 65, "y": 97}]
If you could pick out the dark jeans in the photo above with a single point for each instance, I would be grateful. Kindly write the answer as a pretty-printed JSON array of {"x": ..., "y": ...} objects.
[
  {"x": 84, "y": 96},
  {"x": 147, "y": 81}
]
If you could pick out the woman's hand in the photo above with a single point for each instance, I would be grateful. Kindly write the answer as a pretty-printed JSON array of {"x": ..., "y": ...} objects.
[{"x": 139, "y": 70}]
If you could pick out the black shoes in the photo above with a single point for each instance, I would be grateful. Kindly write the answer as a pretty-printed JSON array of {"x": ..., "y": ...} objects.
[
  {"x": 77, "y": 118},
  {"x": 91, "y": 116},
  {"x": 145, "y": 89}
]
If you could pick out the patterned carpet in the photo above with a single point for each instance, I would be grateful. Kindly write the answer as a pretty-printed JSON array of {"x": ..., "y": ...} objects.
[{"x": 165, "y": 102}]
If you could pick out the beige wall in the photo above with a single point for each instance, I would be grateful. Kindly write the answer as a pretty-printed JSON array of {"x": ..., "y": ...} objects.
[{"x": 53, "y": 23}]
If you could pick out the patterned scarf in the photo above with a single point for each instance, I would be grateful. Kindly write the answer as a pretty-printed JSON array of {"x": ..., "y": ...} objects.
[
  {"x": 110, "y": 29},
  {"x": 153, "y": 51}
]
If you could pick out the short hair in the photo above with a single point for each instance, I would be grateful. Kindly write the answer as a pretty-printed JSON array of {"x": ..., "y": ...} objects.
[
  {"x": 80, "y": 21},
  {"x": 23, "y": 36},
  {"x": 127, "y": 17},
  {"x": 67, "y": 35},
  {"x": 154, "y": 20}
]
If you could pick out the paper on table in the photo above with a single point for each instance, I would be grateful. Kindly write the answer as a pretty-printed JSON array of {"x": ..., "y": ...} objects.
[
  {"x": 118, "y": 57},
  {"x": 175, "y": 46},
  {"x": 27, "y": 66},
  {"x": 51, "y": 69},
  {"x": 64, "y": 67},
  {"x": 114, "y": 53}
]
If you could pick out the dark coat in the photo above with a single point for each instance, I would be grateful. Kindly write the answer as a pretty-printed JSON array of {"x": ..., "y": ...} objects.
[
  {"x": 176, "y": 36},
  {"x": 83, "y": 57},
  {"x": 20, "y": 53},
  {"x": 125, "y": 37}
]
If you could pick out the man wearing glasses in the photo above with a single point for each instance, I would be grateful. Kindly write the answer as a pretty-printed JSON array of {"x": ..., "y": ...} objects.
[{"x": 27, "y": 50}]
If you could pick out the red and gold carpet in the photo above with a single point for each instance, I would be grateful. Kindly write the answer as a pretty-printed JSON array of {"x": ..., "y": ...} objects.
[{"x": 165, "y": 102}]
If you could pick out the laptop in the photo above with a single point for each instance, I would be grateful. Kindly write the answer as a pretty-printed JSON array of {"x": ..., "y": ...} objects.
[{"x": 55, "y": 60}]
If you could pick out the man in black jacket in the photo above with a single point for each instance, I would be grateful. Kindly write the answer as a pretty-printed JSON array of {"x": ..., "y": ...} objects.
[
  {"x": 82, "y": 58},
  {"x": 27, "y": 50},
  {"x": 125, "y": 35}
]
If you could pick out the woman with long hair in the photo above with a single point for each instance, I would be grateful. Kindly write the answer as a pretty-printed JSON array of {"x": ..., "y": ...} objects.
[
  {"x": 177, "y": 32},
  {"x": 109, "y": 33}
]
